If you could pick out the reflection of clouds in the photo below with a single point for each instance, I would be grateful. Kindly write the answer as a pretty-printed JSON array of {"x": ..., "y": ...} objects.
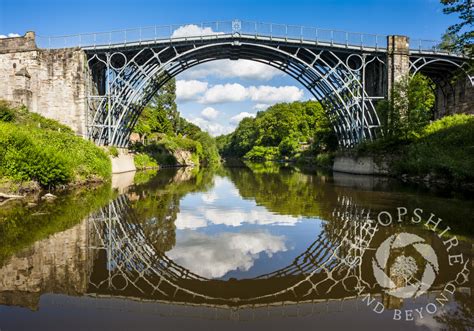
[
  {"x": 202, "y": 217},
  {"x": 214, "y": 256},
  {"x": 209, "y": 197}
]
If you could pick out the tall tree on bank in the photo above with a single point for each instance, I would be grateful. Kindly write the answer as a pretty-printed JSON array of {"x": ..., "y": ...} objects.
[
  {"x": 161, "y": 114},
  {"x": 460, "y": 36}
]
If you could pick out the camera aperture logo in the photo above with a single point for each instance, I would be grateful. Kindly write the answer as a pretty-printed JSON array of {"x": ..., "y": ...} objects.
[{"x": 405, "y": 266}]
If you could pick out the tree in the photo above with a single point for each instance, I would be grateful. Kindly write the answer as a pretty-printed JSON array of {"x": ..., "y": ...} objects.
[
  {"x": 161, "y": 114},
  {"x": 165, "y": 101},
  {"x": 409, "y": 109},
  {"x": 462, "y": 33},
  {"x": 286, "y": 127}
]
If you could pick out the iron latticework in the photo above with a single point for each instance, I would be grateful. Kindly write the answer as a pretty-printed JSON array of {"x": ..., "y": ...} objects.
[{"x": 345, "y": 71}]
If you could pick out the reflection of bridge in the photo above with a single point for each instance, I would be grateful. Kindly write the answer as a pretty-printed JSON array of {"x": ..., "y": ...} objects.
[
  {"x": 136, "y": 269},
  {"x": 110, "y": 256},
  {"x": 331, "y": 268},
  {"x": 346, "y": 71}
]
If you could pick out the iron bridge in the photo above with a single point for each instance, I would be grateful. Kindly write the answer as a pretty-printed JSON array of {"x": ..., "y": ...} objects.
[{"x": 347, "y": 72}]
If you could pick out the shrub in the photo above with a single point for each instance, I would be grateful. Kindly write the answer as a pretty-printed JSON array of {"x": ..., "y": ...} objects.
[
  {"x": 446, "y": 149},
  {"x": 262, "y": 153},
  {"x": 289, "y": 146},
  {"x": 49, "y": 157},
  {"x": 113, "y": 151},
  {"x": 324, "y": 160},
  {"x": 447, "y": 122},
  {"x": 144, "y": 161},
  {"x": 6, "y": 113}
]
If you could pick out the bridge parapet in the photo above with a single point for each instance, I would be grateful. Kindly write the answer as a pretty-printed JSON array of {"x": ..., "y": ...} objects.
[{"x": 178, "y": 32}]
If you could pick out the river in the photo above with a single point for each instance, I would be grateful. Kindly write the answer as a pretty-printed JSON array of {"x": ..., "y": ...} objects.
[{"x": 241, "y": 246}]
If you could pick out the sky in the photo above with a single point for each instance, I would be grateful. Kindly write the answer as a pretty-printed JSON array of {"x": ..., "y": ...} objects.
[{"x": 216, "y": 95}]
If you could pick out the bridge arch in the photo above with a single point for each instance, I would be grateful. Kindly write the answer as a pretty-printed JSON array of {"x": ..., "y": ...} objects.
[{"x": 130, "y": 77}]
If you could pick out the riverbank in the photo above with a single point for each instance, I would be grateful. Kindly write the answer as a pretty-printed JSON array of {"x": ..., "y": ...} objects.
[
  {"x": 442, "y": 155},
  {"x": 40, "y": 154}
]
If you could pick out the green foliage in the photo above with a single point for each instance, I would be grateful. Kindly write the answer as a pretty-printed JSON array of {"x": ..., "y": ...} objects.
[
  {"x": 209, "y": 153},
  {"x": 161, "y": 114},
  {"x": 34, "y": 120},
  {"x": 409, "y": 109},
  {"x": 163, "y": 149},
  {"x": 289, "y": 146},
  {"x": 262, "y": 153},
  {"x": 144, "y": 161},
  {"x": 6, "y": 113},
  {"x": 20, "y": 227},
  {"x": 445, "y": 150},
  {"x": 461, "y": 33},
  {"x": 447, "y": 122},
  {"x": 161, "y": 127},
  {"x": 113, "y": 151},
  {"x": 50, "y": 154},
  {"x": 324, "y": 160},
  {"x": 285, "y": 126}
]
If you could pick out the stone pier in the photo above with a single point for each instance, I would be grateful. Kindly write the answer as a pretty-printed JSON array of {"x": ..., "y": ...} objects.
[{"x": 52, "y": 83}]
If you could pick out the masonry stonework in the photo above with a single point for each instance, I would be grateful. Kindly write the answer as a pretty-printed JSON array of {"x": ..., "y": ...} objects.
[
  {"x": 60, "y": 263},
  {"x": 49, "y": 82},
  {"x": 455, "y": 98}
]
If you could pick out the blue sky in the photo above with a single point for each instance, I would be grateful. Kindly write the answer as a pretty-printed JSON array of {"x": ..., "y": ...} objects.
[{"x": 248, "y": 86}]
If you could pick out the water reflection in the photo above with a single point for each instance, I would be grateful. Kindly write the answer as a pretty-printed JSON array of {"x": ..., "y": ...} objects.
[{"x": 239, "y": 239}]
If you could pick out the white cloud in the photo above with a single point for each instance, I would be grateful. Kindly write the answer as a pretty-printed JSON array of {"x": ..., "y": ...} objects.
[
  {"x": 262, "y": 94},
  {"x": 10, "y": 35},
  {"x": 271, "y": 94},
  {"x": 261, "y": 106},
  {"x": 222, "y": 93},
  {"x": 187, "y": 90},
  {"x": 192, "y": 30},
  {"x": 214, "y": 129},
  {"x": 209, "y": 113},
  {"x": 245, "y": 69},
  {"x": 214, "y": 256},
  {"x": 201, "y": 217},
  {"x": 240, "y": 116},
  {"x": 209, "y": 197}
]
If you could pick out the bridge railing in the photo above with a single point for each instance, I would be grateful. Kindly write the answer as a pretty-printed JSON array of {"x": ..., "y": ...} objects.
[{"x": 219, "y": 28}]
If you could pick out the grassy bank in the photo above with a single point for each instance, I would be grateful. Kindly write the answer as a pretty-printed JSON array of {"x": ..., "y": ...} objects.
[
  {"x": 43, "y": 151},
  {"x": 443, "y": 152},
  {"x": 168, "y": 150}
]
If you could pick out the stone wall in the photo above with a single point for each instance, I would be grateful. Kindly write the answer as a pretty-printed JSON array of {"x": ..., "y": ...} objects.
[
  {"x": 455, "y": 98},
  {"x": 363, "y": 165},
  {"x": 58, "y": 264},
  {"x": 49, "y": 82}
]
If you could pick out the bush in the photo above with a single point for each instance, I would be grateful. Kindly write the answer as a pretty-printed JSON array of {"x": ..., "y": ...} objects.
[
  {"x": 447, "y": 122},
  {"x": 324, "y": 160},
  {"x": 446, "y": 149},
  {"x": 51, "y": 158},
  {"x": 289, "y": 146},
  {"x": 262, "y": 153},
  {"x": 6, "y": 113},
  {"x": 113, "y": 151},
  {"x": 144, "y": 161}
]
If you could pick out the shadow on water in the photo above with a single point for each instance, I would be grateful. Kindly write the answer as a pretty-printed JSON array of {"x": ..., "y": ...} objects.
[{"x": 98, "y": 247}]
